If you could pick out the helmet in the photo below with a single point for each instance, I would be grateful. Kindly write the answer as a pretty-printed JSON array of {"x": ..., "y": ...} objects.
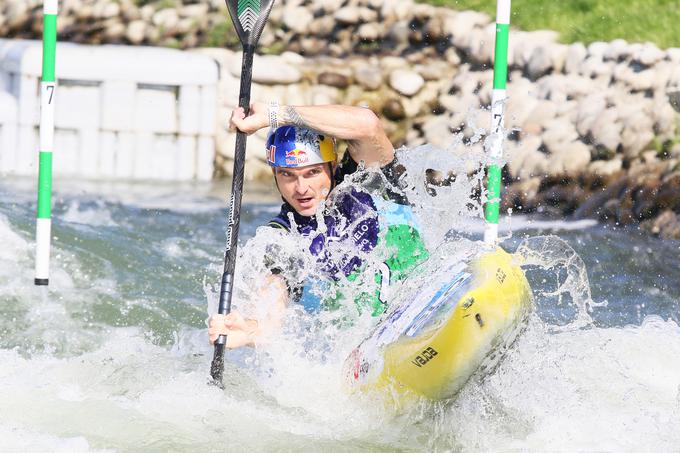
[{"x": 292, "y": 147}]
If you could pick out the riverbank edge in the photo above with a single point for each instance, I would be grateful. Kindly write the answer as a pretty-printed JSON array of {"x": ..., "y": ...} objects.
[{"x": 593, "y": 130}]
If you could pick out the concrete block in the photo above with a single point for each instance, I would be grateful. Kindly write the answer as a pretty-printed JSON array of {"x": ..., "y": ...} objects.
[
  {"x": 143, "y": 156},
  {"x": 66, "y": 154},
  {"x": 155, "y": 111},
  {"x": 189, "y": 109},
  {"x": 121, "y": 112},
  {"x": 8, "y": 132},
  {"x": 26, "y": 156},
  {"x": 77, "y": 106},
  {"x": 205, "y": 158},
  {"x": 108, "y": 142},
  {"x": 207, "y": 119},
  {"x": 164, "y": 157},
  {"x": 186, "y": 158},
  {"x": 125, "y": 155},
  {"x": 8, "y": 147},
  {"x": 28, "y": 93},
  {"x": 118, "y": 104},
  {"x": 88, "y": 160}
]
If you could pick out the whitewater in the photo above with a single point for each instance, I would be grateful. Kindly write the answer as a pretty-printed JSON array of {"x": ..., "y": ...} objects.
[{"x": 113, "y": 356}]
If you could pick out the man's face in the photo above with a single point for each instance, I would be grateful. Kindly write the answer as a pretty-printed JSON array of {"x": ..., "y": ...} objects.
[{"x": 304, "y": 188}]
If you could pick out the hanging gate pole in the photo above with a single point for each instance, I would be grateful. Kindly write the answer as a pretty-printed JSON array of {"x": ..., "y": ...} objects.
[
  {"x": 500, "y": 77},
  {"x": 48, "y": 87}
]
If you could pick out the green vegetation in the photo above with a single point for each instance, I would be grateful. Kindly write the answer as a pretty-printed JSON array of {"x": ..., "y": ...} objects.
[
  {"x": 590, "y": 20},
  {"x": 222, "y": 34}
]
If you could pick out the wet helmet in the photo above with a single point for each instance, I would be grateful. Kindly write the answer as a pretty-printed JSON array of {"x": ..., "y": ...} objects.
[{"x": 293, "y": 147}]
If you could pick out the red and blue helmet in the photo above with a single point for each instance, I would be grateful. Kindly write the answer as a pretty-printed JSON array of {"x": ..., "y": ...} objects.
[{"x": 292, "y": 147}]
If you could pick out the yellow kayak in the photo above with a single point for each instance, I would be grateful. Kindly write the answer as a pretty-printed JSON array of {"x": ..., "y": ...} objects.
[{"x": 464, "y": 320}]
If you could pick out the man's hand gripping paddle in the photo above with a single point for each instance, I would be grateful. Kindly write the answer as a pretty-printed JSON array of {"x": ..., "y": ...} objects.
[{"x": 249, "y": 18}]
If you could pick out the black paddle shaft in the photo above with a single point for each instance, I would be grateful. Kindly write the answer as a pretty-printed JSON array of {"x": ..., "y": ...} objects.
[
  {"x": 227, "y": 283},
  {"x": 249, "y": 18}
]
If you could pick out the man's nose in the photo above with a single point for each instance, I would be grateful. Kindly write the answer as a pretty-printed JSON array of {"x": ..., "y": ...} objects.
[{"x": 301, "y": 185}]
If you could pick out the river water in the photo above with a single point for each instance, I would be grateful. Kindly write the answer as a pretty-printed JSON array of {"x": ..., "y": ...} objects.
[{"x": 114, "y": 355}]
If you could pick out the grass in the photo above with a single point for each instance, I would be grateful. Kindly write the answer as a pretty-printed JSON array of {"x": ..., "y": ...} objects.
[{"x": 590, "y": 20}]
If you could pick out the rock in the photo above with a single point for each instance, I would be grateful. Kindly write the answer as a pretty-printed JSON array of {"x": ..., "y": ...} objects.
[
  {"x": 459, "y": 103},
  {"x": 329, "y": 6},
  {"x": 136, "y": 31},
  {"x": 648, "y": 54},
  {"x": 297, "y": 19},
  {"x": 311, "y": 46},
  {"x": 666, "y": 225},
  {"x": 588, "y": 111},
  {"x": 370, "y": 32},
  {"x": 606, "y": 167},
  {"x": 399, "y": 34},
  {"x": 433, "y": 71},
  {"x": 524, "y": 158},
  {"x": 606, "y": 130},
  {"x": 322, "y": 27},
  {"x": 166, "y": 18},
  {"x": 641, "y": 81},
  {"x": 594, "y": 206},
  {"x": 333, "y": 79},
  {"x": 393, "y": 110},
  {"x": 197, "y": 11},
  {"x": 460, "y": 26},
  {"x": 664, "y": 118},
  {"x": 669, "y": 192},
  {"x": 616, "y": 51},
  {"x": 293, "y": 58},
  {"x": 597, "y": 49},
  {"x": 406, "y": 82},
  {"x": 558, "y": 133},
  {"x": 540, "y": 62},
  {"x": 569, "y": 159},
  {"x": 106, "y": 10},
  {"x": 435, "y": 28},
  {"x": 594, "y": 66},
  {"x": 576, "y": 54},
  {"x": 368, "y": 76},
  {"x": 115, "y": 32},
  {"x": 544, "y": 111},
  {"x": 352, "y": 15},
  {"x": 437, "y": 132},
  {"x": 267, "y": 69},
  {"x": 146, "y": 12},
  {"x": 324, "y": 95}
]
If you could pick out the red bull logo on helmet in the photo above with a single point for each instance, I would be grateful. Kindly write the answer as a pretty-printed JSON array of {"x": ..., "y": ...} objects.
[
  {"x": 296, "y": 157},
  {"x": 271, "y": 154}
]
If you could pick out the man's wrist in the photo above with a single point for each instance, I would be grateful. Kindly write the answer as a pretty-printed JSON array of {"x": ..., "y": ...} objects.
[{"x": 274, "y": 115}]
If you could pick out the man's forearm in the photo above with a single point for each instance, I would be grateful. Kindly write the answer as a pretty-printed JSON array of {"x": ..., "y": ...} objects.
[{"x": 358, "y": 126}]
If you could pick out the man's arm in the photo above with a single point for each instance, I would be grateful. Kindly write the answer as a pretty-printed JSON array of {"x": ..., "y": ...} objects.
[
  {"x": 359, "y": 126},
  {"x": 248, "y": 332}
]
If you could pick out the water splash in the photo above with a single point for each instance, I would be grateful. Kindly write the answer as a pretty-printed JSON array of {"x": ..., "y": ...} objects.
[{"x": 553, "y": 254}]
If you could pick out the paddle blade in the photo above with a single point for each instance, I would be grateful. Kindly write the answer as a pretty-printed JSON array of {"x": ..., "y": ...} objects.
[
  {"x": 249, "y": 18},
  {"x": 217, "y": 366}
]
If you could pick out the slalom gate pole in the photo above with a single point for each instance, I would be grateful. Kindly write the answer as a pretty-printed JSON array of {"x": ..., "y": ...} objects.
[
  {"x": 48, "y": 88},
  {"x": 249, "y": 18},
  {"x": 500, "y": 77}
]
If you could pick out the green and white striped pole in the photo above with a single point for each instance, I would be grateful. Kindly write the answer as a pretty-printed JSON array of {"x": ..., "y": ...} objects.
[
  {"x": 500, "y": 77},
  {"x": 48, "y": 87}
]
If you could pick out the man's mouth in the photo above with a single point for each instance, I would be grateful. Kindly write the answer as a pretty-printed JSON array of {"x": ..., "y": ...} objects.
[{"x": 305, "y": 201}]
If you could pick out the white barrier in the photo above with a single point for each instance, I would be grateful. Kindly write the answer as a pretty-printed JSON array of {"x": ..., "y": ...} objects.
[{"x": 122, "y": 112}]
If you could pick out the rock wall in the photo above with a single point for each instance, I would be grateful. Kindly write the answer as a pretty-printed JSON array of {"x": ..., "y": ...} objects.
[{"x": 593, "y": 131}]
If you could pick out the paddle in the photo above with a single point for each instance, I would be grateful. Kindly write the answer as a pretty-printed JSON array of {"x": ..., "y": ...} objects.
[{"x": 249, "y": 18}]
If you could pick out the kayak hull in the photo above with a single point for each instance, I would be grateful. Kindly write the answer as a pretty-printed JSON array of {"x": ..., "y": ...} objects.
[{"x": 465, "y": 319}]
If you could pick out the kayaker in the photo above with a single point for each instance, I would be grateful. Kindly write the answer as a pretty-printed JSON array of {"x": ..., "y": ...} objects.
[{"x": 301, "y": 150}]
